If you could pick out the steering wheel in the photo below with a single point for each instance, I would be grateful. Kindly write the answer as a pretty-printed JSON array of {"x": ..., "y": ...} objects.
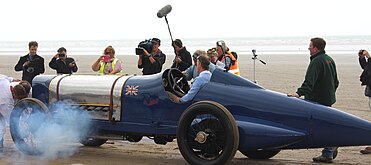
[{"x": 177, "y": 82}]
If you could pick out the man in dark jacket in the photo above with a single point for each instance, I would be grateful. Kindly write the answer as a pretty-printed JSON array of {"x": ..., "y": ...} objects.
[
  {"x": 151, "y": 63},
  {"x": 62, "y": 63},
  {"x": 320, "y": 85},
  {"x": 183, "y": 58},
  {"x": 31, "y": 64}
]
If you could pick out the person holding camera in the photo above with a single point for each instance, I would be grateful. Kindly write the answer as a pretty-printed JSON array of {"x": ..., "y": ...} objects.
[
  {"x": 63, "y": 64},
  {"x": 31, "y": 64},
  {"x": 364, "y": 62},
  {"x": 365, "y": 78},
  {"x": 151, "y": 62},
  {"x": 108, "y": 63},
  {"x": 183, "y": 58}
]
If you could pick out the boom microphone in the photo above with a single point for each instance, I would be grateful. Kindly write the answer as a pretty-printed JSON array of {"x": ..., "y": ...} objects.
[{"x": 164, "y": 11}]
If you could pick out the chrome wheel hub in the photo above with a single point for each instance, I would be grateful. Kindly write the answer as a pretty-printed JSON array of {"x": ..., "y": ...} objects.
[{"x": 201, "y": 137}]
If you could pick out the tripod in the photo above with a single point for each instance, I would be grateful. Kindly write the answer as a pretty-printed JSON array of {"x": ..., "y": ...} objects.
[{"x": 255, "y": 57}]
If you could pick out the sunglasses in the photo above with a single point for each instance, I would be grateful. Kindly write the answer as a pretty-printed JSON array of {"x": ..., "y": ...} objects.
[
  {"x": 61, "y": 55},
  {"x": 107, "y": 53}
]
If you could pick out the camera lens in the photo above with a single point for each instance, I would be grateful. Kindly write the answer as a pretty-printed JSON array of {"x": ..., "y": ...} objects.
[{"x": 30, "y": 69}]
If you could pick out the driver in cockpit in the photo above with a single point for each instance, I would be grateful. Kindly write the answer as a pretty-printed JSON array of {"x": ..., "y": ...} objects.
[
  {"x": 191, "y": 72},
  {"x": 203, "y": 63}
]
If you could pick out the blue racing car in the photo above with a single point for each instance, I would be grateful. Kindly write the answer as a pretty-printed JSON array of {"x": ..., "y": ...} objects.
[{"x": 230, "y": 113}]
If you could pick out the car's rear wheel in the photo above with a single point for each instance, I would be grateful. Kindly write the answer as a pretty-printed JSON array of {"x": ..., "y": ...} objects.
[
  {"x": 92, "y": 142},
  {"x": 260, "y": 154},
  {"x": 207, "y": 134},
  {"x": 27, "y": 119}
]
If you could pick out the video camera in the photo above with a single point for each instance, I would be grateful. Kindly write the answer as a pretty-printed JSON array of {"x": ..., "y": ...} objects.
[{"x": 146, "y": 44}]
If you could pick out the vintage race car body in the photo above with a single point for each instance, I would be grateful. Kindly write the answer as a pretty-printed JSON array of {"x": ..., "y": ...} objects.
[{"x": 230, "y": 113}]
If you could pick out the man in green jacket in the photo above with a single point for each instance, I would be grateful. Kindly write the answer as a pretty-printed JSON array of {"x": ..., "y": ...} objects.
[{"x": 320, "y": 84}]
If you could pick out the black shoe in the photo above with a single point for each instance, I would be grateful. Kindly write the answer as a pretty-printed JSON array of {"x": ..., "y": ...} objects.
[
  {"x": 367, "y": 150},
  {"x": 323, "y": 159}
]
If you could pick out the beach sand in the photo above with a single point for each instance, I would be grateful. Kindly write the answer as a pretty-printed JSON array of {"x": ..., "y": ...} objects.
[{"x": 282, "y": 73}]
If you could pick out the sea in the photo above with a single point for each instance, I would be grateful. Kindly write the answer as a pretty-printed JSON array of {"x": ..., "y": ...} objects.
[{"x": 243, "y": 46}]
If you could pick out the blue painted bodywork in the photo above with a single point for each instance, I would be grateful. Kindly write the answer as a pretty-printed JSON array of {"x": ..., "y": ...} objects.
[{"x": 266, "y": 119}]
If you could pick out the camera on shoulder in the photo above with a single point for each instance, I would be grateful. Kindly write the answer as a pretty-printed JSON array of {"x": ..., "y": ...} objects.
[{"x": 146, "y": 44}]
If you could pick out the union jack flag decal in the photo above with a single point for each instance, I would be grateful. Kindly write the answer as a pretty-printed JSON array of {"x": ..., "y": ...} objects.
[{"x": 131, "y": 90}]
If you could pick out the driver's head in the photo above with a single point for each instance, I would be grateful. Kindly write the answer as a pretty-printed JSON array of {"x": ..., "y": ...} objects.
[{"x": 203, "y": 63}]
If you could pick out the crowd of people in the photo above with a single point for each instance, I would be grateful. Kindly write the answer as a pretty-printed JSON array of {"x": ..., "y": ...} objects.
[
  {"x": 320, "y": 84},
  {"x": 150, "y": 62}
]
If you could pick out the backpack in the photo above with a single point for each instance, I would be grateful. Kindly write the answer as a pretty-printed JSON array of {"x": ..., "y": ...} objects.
[{"x": 234, "y": 55}]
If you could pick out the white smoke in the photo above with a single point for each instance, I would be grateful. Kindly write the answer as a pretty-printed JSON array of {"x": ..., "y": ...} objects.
[{"x": 56, "y": 136}]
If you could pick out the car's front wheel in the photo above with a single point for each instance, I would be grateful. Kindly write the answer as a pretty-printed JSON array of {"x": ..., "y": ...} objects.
[{"x": 207, "y": 134}]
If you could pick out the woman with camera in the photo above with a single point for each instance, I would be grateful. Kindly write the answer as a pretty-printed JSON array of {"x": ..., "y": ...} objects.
[
  {"x": 107, "y": 63},
  {"x": 63, "y": 64}
]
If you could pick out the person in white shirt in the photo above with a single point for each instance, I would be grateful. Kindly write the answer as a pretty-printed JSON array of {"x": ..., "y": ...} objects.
[
  {"x": 7, "y": 96},
  {"x": 200, "y": 81}
]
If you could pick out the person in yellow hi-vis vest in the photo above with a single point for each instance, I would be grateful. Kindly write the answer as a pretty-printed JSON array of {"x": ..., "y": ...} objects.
[{"x": 107, "y": 63}]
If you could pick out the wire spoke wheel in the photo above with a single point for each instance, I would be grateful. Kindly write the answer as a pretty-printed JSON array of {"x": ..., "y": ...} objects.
[
  {"x": 207, "y": 134},
  {"x": 26, "y": 120}
]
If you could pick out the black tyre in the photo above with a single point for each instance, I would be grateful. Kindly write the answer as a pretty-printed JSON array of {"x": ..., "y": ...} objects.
[
  {"x": 28, "y": 117},
  {"x": 335, "y": 154},
  {"x": 207, "y": 134},
  {"x": 92, "y": 142},
  {"x": 260, "y": 154},
  {"x": 134, "y": 138}
]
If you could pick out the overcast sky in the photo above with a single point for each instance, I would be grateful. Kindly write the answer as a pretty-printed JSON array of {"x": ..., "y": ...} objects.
[{"x": 24, "y": 20}]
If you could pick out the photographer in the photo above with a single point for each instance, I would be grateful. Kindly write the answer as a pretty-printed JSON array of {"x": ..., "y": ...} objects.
[
  {"x": 63, "y": 64},
  {"x": 31, "y": 64},
  {"x": 108, "y": 63},
  {"x": 151, "y": 62},
  {"x": 365, "y": 78}
]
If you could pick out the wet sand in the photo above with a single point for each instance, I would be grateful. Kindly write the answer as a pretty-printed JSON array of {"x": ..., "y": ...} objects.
[{"x": 283, "y": 73}]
